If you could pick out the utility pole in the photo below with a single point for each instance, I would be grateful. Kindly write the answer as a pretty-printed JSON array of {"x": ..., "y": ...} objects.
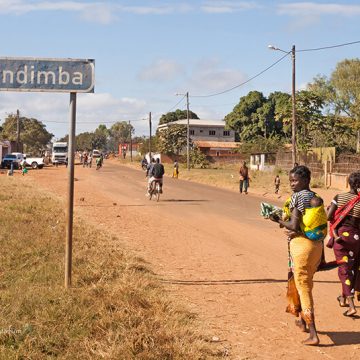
[
  {"x": 150, "y": 137},
  {"x": 293, "y": 127},
  {"x": 130, "y": 141},
  {"x": 293, "y": 100},
  {"x": 188, "y": 132},
  {"x": 18, "y": 130}
]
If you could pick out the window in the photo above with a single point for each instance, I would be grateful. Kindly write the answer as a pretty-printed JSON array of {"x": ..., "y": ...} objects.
[
  {"x": 226, "y": 133},
  {"x": 201, "y": 131},
  {"x": 192, "y": 132},
  {"x": 212, "y": 132}
]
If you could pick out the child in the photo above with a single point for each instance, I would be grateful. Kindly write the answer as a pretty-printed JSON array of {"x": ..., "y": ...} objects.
[
  {"x": 277, "y": 184},
  {"x": 176, "y": 169}
]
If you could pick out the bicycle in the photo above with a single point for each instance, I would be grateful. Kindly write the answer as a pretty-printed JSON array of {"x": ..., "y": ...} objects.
[{"x": 155, "y": 189}]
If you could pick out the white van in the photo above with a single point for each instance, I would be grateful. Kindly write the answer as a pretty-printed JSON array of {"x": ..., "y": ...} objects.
[{"x": 96, "y": 154}]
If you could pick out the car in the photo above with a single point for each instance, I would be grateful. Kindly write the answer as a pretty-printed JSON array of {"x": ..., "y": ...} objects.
[
  {"x": 96, "y": 154},
  {"x": 16, "y": 159},
  {"x": 34, "y": 162}
]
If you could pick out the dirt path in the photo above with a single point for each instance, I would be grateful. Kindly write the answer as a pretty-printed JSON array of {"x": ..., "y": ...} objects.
[{"x": 211, "y": 248}]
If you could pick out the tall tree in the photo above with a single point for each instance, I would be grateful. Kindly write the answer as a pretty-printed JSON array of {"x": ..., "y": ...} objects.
[
  {"x": 100, "y": 138},
  {"x": 84, "y": 141},
  {"x": 176, "y": 115},
  {"x": 173, "y": 140},
  {"x": 341, "y": 93},
  {"x": 33, "y": 133},
  {"x": 120, "y": 133},
  {"x": 256, "y": 116}
]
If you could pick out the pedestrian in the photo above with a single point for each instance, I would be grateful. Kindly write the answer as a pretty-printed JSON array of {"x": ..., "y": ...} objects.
[
  {"x": 176, "y": 169},
  {"x": 344, "y": 216},
  {"x": 277, "y": 184},
  {"x": 90, "y": 160},
  {"x": 305, "y": 254},
  {"x": 244, "y": 178}
]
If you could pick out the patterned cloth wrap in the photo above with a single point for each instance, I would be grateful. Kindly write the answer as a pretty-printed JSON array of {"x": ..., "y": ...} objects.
[
  {"x": 266, "y": 210},
  {"x": 314, "y": 224},
  {"x": 314, "y": 221}
]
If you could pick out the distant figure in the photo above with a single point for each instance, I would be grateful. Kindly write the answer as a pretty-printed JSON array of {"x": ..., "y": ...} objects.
[
  {"x": 244, "y": 178},
  {"x": 98, "y": 163},
  {"x": 66, "y": 161},
  {"x": 277, "y": 184},
  {"x": 85, "y": 163},
  {"x": 176, "y": 169},
  {"x": 90, "y": 159}
]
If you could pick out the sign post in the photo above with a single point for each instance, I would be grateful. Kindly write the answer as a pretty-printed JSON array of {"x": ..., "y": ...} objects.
[{"x": 53, "y": 75}]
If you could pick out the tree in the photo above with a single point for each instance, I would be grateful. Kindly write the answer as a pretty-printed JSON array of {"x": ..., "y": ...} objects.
[
  {"x": 309, "y": 120},
  {"x": 84, "y": 141},
  {"x": 198, "y": 158},
  {"x": 120, "y": 133},
  {"x": 176, "y": 115},
  {"x": 341, "y": 93},
  {"x": 100, "y": 138},
  {"x": 345, "y": 80},
  {"x": 256, "y": 116},
  {"x": 172, "y": 140},
  {"x": 33, "y": 133}
]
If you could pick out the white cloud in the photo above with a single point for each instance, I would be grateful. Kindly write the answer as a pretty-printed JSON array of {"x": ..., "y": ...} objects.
[
  {"x": 91, "y": 11},
  {"x": 223, "y": 6},
  {"x": 209, "y": 77},
  {"x": 161, "y": 70},
  {"x": 99, "y": 11},
  {"x": 92, "y": 110},
  {"x": 315, "y": 9},
  {"x": 156, "y": 10}
]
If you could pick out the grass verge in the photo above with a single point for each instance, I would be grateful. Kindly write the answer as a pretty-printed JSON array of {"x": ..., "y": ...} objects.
[{"x": 116, "y": 308}]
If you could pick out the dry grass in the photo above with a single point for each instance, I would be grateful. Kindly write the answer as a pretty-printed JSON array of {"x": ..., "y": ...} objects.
[{"x": 115, "y": 310}]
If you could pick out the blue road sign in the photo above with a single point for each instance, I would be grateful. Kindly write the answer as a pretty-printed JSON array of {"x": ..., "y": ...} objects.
[{"x": 53, "y": 75}]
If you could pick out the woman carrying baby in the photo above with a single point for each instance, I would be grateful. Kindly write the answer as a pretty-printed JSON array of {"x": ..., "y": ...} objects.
[{"x": 305, "y": 253}]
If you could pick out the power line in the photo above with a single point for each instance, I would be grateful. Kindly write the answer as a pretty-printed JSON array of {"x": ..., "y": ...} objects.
[
  {"x": 93, "y": 122},
  {"x": 245, "y": 82},
  {"x": 329, "y": 47},
  {"x": 176, "y": 104}
]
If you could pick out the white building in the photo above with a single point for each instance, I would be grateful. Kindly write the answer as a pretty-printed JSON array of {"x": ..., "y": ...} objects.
[{"x": 205, "y": 130}]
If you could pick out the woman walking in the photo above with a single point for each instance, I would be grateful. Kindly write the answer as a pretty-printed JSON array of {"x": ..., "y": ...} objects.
[
  {"x": 305, "y": 254},
  {"x": 344, "y": 216}
]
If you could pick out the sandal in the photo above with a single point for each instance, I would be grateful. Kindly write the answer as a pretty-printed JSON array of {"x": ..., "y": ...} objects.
[
  {"x": 342, "y": 301},
  {"x": 350, "y": 312}
]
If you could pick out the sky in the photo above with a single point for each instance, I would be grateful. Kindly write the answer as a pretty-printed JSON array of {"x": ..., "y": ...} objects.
[{"x": 149, "y": 53}]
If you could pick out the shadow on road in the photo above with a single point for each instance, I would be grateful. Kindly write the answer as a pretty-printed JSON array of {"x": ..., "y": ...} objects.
[
  {"x": 341, "y": 338},
  {"x": 182, "y": 200},
  {"x": 230, "y": 282},
  {"x": 221, "y": 282}
]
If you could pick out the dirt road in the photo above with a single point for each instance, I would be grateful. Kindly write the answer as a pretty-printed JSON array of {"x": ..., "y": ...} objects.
[{"x": 212, "y": 250}]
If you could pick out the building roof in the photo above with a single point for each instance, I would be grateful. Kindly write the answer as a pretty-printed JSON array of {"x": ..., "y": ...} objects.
[
  {"x": 217, "y": 144},
  {"x": 197, "y": 122}
]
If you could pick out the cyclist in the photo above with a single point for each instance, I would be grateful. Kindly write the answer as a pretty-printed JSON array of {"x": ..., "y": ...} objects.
[{"x": 157, "y": 173}]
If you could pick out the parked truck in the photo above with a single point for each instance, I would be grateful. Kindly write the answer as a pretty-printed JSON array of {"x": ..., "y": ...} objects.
[{"x": 59, "y": 153}]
